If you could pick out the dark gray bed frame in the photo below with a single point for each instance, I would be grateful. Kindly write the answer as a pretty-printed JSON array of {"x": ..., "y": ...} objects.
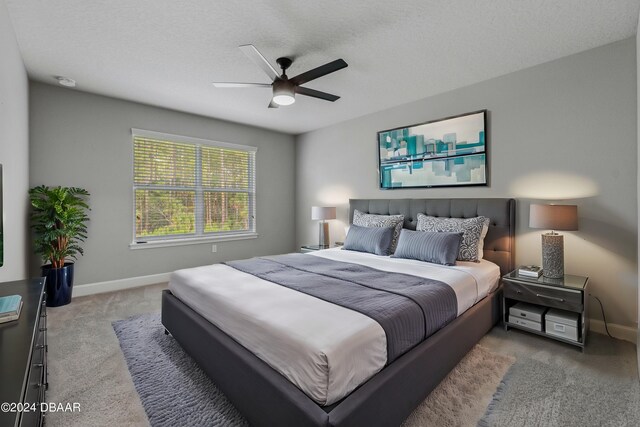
[{"x": 266, "y": 398}]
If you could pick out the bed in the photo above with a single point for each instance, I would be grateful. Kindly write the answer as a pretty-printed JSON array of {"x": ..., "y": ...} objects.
[{"x": 265, "y": 393}]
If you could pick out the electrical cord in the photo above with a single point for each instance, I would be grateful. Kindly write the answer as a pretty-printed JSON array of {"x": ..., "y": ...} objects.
[{"x": 606, "y": 328}]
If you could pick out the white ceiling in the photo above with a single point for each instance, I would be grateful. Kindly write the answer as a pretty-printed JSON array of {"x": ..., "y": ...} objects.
[{"x": 167, "y": 52}]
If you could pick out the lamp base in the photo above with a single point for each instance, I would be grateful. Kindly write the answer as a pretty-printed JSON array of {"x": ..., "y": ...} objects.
[
  {"x": 323, "y": 240},
  {"x": 553, "y": 256}
]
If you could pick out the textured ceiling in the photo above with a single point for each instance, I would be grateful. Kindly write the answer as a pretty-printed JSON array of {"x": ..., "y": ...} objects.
[{"x": 167, "y": 52}]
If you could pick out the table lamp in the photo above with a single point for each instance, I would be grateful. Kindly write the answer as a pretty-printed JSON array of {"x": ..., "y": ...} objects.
[
  {"x": 553, "y": 217},
  {"x": 323, "y": 213}
]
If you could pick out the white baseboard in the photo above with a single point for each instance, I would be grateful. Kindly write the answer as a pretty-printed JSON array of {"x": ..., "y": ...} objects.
[
  {"x": 120, "y": 284},
  {"x": 622, "y": 332}
]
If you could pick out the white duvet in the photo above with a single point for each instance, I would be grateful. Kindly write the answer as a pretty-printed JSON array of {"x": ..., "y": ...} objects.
[{"x": 324, "y": 349}]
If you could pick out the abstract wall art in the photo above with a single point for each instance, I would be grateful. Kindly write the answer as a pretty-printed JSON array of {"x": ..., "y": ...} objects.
[{"x": 450, "y": 152}]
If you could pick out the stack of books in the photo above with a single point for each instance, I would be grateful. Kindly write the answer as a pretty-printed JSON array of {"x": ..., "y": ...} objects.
[
  {"x": 10, "y": 307},
  {"x": 530, "y": 271}
]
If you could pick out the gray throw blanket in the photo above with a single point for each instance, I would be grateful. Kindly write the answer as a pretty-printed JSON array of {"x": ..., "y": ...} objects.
[{"x": 408, "y": 308}]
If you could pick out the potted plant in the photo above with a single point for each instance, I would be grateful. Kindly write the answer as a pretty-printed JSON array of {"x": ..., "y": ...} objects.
[{"x": 59, "y": 221}]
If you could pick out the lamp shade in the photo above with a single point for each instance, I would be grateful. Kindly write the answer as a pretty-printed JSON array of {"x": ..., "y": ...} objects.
[
  {"x": 323, "y": 212},
  {"x": 553, "y": 217}
]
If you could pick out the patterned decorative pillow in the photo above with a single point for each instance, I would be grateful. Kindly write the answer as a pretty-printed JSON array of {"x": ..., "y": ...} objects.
[
  {"x": 370, "y": 220},
  {"x": 471, "y": 229}
]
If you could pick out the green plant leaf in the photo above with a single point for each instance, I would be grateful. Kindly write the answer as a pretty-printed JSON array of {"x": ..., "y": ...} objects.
[{"x": 58, "y": 220}]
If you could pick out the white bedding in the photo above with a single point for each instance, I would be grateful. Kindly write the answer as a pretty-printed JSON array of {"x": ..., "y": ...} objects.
[{"x": 324, "y": 349}]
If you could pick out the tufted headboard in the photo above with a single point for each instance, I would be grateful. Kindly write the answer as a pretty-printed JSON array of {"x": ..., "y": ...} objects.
[{"x": 499, "y": 245}]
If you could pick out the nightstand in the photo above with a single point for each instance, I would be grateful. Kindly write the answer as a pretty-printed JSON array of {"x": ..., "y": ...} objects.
[
  {"x": 312, "y": 248},
  {"x": 569, "y": 294}
]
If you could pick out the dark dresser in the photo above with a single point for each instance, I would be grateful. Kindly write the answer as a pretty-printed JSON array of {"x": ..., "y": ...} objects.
[{"x": 23, "y": 356}]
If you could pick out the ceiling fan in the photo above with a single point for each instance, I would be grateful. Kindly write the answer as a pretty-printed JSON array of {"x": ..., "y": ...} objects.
[{"x": 285, "y": 88}]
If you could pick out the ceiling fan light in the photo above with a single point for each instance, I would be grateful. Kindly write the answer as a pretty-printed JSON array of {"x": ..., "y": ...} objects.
[
  {"x": 283, "y": 92},
  {"x": 284, "y": 99}
]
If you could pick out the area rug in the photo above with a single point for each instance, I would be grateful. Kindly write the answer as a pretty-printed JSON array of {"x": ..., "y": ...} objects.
[
  {"x": 175, "y": 391},
  {"x": 534, "y": 393}
]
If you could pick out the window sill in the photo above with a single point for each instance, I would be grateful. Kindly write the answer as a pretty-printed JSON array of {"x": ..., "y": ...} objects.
[{"x": 192, "y": 241}]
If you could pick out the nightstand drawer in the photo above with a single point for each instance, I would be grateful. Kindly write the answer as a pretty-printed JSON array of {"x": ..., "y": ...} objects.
[{"x": 557, "y": 298}]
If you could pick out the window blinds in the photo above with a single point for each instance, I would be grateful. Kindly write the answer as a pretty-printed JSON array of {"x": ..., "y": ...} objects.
[{"x": 191, "y": 189}]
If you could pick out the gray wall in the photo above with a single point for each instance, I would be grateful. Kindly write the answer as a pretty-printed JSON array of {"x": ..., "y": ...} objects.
[
  {"x": 84, "y": 140},
  {"x": 14, "y": 150},
  {"x": 564, "y": 130},
  {"x": 638, "y": 178}
]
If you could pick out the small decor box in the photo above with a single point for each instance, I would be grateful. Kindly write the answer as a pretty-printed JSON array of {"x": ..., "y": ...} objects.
[
  {"x": 10, "y": 307},
  {"x": 561, "y": 323},
  {"x": 527, "y": 315},
  {"x": 530, "y": 271}
]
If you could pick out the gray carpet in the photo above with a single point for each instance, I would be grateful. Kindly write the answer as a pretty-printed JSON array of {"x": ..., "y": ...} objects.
[
  {"x": 87, "y": 365},
  {"x": 534, "y": 393},
  {"x": 175, "y": 391}
]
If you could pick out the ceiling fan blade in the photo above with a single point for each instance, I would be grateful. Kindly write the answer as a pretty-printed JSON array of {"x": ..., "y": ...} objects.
[
  {"x": 224, "y": 84},
  {"x": 320, "y": 71},
  {"x": 254, "y": 55},
  {"x": 316, "y": 94},
  {"x": 273, "y": 104}
]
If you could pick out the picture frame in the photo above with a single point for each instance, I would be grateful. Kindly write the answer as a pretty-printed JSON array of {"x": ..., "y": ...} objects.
[{"x": 447, "y": 152}]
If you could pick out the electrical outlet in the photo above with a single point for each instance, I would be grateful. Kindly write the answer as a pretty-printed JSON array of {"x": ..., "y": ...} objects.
[{"x": 214, "y": 248}]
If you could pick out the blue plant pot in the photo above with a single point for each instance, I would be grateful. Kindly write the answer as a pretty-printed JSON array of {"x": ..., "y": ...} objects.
[{"x": 59, "y": 284}]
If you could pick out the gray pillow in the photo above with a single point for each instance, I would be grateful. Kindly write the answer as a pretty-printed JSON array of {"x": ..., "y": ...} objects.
[
  {"x": 375, "y": 240},
  {"x": 372, "y": 220},
  {"x": 470, "y": 227},
  {"x": 439, "y": 248}
]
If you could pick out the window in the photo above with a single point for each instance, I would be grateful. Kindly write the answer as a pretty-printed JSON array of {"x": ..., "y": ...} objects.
[{"x": 188, "y": 189}]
